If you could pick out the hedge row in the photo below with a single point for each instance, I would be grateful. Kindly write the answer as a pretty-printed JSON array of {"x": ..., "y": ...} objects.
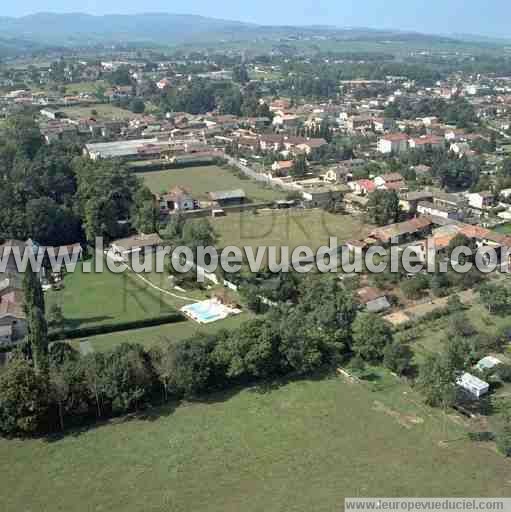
[{"x": 111, "y": 328}]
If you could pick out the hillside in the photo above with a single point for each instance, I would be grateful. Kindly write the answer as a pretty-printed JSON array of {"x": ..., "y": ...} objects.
[{"x": 162, "y": 28}]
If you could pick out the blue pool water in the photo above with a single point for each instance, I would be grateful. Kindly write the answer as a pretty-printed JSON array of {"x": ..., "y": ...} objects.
[{"x": 204, "y": 312}]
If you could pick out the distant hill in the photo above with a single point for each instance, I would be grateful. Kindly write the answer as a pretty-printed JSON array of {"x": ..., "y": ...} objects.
[
  {"x": 161, "y": 28},
  {"x": 82, "y": 28},
  {"x": 10, "y": 47}
]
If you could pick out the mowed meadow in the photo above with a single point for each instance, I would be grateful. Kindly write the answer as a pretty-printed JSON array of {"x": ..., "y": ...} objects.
[{"x": 301, "y": 446}]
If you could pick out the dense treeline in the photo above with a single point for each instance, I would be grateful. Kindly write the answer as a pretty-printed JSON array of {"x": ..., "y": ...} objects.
[
  {"x": 452, "y": 172},
  {"x": 53, "y": 195},
  {"x": 201, "y": 96},
  {"x": 458, "y": 112},
  {"x": 322, "y": 328}
]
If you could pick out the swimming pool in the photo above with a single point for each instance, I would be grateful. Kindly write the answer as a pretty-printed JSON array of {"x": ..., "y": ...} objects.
[{"x": 207, "y": 311}]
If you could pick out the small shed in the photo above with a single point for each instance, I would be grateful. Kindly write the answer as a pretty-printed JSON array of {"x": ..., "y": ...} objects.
[
  {"x": 475, "y": 386},
  {"x": 488, "y": 363},
  {"x": 228, "y": 197},
  {"x": 378, "y": 305}
]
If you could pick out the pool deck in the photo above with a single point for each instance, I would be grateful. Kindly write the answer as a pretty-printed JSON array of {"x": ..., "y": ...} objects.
[{"x": 208, "y": 311}]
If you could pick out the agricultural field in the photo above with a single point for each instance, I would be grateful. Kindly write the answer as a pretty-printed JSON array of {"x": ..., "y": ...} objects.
[
  {"x": 105, "y": 112},
  {"x": 299, "y": 445},
  {"x": 203, "y": 179},
  {"x": 293, "y": 228}
]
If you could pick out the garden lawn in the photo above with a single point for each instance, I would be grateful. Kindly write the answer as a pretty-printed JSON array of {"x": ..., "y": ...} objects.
[
  {"x": 208, "y": 178},
  {"x": 151, "y": 336},
  {"x": 300, "y": 446},
  {"x": 293, "y": 228},
  {"x": 505, "y": 229},
  {"x": 85, "y": 87},
  {"x": 434, "y": 335},
  {"x": 105, "y": 112},
  {"x": 105, "y": 298}
]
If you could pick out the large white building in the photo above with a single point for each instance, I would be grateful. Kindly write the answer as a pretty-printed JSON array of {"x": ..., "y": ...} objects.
[{"x": 393, "y": 143}]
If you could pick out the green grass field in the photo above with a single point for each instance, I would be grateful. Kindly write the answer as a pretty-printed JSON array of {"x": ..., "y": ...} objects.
[
  {"x": 85, "y": 87},
  {"x": 434, "y": 338},
  {"x": 104, "y": 298},
  {"x": 150, "y": 336},
  {"x": 203, "y": 179},
  {"x": 104, "y": 112},
  {"x": 287, "y": 227},
  {"x": 505, "y": 229},
  {"x": 302, "y": 446}
]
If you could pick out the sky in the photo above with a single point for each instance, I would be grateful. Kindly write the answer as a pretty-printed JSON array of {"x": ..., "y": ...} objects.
[{"x": 488, "y": 17}]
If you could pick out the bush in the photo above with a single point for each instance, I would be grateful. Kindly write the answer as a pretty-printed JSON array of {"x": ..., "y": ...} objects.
[
  {"x": 504, "y": 372},
  {"x": 137, "y": 106},
  {"x": 397, "y": 357},
  {"x": 414, "y": 288}
]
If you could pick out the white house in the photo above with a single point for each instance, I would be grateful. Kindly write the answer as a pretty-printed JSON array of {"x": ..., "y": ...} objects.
[
  {"x": 385, "y": 180},
  {"x": 285, "y": 121},
  {"x": 428, "y": 141},
  {"x": 362, "y": 187},
  {"x": 476, "y": 387},
  {"x": 459, "y": 148},
  {"x": 393, "y": 143},
  {"x": 481, "y": 200},
  {"x": 429, "y": 208},
  {"x": 178, "y": 199}
]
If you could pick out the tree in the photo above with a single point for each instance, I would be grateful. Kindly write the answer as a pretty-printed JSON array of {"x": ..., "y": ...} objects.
[
  {"x": 460, "y": 240},
  {"x": 36, "y": 322},
  {"x": 61, "y": 352},
  {"x": 33, "y": 291},
  {"x": 145, "y": 214},
  {"x": 121, "y": 76},
  {"x": 383, "y": 207},
  {"x": 163, "y": 359},
  {"x": 137, "y": 106},
  {"x": 496, "y": 298},
  {"x": 198, "y": 233},
  {"x": 299, "y": 168},
  {"x": 371, "y": 334},
  {"x": 23, "y": 399},
  {"x": 397, "y": 357},
  {"x": 460, "y": 325},
  {"x": 51, "y": 224},
  {"x": 240, "y": 74},
  {"x": 301, "y": 345},
  {"x": 59, "y": 389},
  {"x": 413, "y": 288},
  {"x": 38, "y": 338},
  {"x": 24, "y": 131},
  {"x": 436, "y": 381},
  {"x": 250, "y": 351},
  {"x": 457, "y": 356},
  {"x": 127, "y": 378},
  {"x": 317, "y": 330},
  {"x": 193, "y": 367},
  {"x": 92, "y": 367},
  {"x": 173, "y": 231},
  {"x": 55, "y": 316}
]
